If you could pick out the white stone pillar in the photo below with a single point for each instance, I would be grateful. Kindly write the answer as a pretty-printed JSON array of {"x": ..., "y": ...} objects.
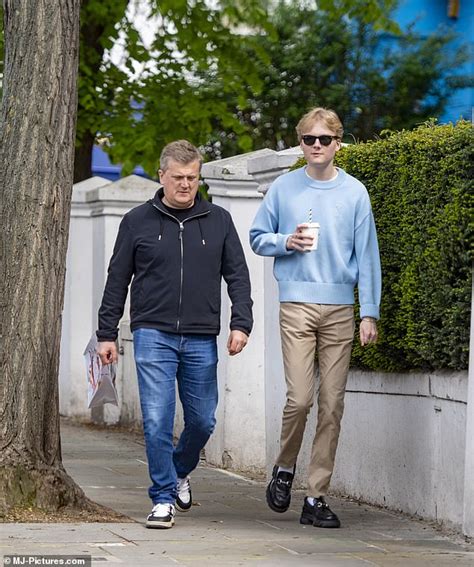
[
  {"x": 78, "y": 318},
  {"x": 267, "y": 165},
  {"x": 468, "y": 522},
  {"x": 265, "y": 169},
  {"x": 97, "y": 209},
  {"x": 251, "y": 385},
  {"x": 239, "y": 438}
]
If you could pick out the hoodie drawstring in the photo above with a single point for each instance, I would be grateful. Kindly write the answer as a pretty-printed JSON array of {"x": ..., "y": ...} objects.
[
  {"x": 161, "y": 228},
  {"x": 202, "y": 235},
  {"x": 162, "y": 222}
]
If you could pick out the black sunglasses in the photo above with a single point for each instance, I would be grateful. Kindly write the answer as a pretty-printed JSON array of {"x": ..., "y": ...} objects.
[{"x": 324, "y": 140}]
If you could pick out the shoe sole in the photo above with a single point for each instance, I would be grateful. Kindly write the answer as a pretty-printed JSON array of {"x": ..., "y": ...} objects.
[
  {"x": 271, "y": 505},
  {"x": 181, "y": 508},
  {"x": 310, "y": 522},
  {"x": 160, "y": 525}
]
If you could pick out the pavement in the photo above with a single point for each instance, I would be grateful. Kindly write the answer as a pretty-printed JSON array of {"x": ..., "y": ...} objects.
[{"x": 229, "y": 523}]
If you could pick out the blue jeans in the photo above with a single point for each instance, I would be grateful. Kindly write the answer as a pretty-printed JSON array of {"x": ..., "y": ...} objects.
[{"x": 161, "y": 359}]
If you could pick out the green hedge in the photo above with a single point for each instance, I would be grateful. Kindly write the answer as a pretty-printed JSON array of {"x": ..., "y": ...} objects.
[{"x": 420, "y": 184}]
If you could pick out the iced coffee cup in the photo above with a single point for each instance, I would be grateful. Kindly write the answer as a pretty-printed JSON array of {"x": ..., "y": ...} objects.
[{"x": 311, "y": 229}]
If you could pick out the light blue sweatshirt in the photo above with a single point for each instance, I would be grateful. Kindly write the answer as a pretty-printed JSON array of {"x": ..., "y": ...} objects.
[{"x": 347, "y": 252}]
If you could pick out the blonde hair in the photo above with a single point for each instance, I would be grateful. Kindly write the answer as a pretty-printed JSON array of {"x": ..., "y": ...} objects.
[
  {"x": 181, "y": 151},
  {"x": 329, "y": 117}
]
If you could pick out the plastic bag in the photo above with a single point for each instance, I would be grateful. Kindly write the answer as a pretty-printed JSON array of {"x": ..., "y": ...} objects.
[{"x": 100, "y": 378}]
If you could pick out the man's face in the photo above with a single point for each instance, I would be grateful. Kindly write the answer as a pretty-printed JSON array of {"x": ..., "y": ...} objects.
[
  {"x": 317, "y": 155},
  {"x": 180, "y": 183}
]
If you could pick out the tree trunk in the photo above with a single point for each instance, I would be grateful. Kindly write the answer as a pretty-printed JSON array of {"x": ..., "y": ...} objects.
[
  {"x": 83, "y": 157},
  {"x": 36, "y": 153}
]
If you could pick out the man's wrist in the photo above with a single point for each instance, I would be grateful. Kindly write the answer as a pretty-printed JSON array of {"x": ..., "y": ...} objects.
[
  {"x": 369, "y": 319},
  {"x": 244, "y": 331}
]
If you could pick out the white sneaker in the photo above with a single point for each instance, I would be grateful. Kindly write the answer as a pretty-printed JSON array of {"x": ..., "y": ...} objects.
[
  {"x": 184, "y": 499},
  {"x": 162, "y": 516}
]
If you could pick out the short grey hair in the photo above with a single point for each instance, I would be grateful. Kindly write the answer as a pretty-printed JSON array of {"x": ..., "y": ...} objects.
[{"x": 181, "y": 151}]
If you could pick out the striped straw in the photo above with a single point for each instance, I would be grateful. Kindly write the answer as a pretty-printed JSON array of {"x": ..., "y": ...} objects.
[{"x": 310, "y": 215}]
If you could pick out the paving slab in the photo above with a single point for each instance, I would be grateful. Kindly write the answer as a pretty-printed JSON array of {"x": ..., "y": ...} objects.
[{"x": 230, "y": 523}]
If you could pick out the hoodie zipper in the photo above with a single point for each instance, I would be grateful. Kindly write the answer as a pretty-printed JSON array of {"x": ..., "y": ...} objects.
[
  {"x": 181, "y": 230},
  {"x": 181, "y": 247}
]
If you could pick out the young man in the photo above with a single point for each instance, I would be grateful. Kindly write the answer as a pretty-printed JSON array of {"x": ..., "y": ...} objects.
[
  {"x": 177, "y": 247},
  {"x": 317, "y": 270}
]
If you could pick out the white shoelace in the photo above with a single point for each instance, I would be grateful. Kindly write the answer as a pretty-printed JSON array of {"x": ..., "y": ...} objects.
[{"x": 183, "y": 489}]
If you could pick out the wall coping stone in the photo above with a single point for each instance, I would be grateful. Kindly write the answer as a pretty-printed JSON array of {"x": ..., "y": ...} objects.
[
  {"x": 231, "y": 168},
  {"x": 267, "y": 167},
  {"x": 133, "y": 188},
  {"x": 274, "y": 160},
  {"x": 82, "y": 189}
]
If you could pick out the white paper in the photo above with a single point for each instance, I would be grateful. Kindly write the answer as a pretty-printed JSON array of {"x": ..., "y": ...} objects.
[{"x": 100, "y": 378}]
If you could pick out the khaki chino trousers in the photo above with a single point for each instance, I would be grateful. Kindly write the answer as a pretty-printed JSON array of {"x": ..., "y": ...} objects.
[{"x": 306, "y": 329}]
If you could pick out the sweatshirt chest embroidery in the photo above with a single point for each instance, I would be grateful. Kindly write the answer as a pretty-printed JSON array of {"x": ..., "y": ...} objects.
[{"x": 338, "y": 208}]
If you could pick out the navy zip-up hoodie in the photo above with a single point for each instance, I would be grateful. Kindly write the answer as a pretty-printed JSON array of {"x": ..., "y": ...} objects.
[{"x": 177, "y": 269}]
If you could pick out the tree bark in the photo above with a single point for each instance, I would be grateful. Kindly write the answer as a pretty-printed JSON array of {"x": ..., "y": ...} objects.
[
  {"x": 36, "y": 152},
  {"x": 83, "y": 157}
]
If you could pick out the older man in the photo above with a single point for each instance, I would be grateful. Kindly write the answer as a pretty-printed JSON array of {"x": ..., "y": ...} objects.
[{"x": 177, "y": 247}]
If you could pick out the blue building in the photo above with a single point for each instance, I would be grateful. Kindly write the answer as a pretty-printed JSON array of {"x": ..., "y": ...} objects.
[
  {"x": 102, "y": 166},
  {"x": 428, "y": 16},
  {"x": 456, "y": 15}
]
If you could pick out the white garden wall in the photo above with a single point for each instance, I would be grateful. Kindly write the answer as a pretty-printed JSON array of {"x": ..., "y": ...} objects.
[{"x": 407, "y": 440}]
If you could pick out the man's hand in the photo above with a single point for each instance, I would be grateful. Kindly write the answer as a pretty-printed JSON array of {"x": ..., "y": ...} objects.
[
  {"x": 236, "y": 342},
  {"x": 368, "y": 331},
  {"x": 299, "y": 241},
  {"x": 107, "y": 351}
]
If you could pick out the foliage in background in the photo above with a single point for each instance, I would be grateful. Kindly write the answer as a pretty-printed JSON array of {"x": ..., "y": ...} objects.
[
  {"x": 198, "y": 72},
  {"x": 155, "y": 95},
  {"x": 421, "y": 187},
  {"x": 373, "y": 12},
  {"x": 374, "y": 80},
  {"x": 203, "y": 79},
  {"x": 202, "y": 58}
]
